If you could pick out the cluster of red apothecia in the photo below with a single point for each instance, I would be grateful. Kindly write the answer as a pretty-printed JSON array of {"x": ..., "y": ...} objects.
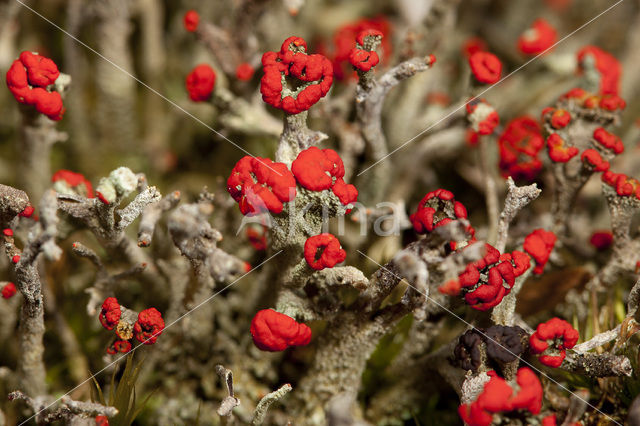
[
  {"x": 30, "y": 79},
  {"x": 146, "y": 329}
]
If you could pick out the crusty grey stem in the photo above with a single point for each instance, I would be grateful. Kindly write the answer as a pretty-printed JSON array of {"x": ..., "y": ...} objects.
[
  {"x": 264, "y": 404},
  {"x": 369, "y": 101},
  {"x": 598, "y": 365},
  {"x": 517, "y": 198},
  {"x": 151, "y": 214}
]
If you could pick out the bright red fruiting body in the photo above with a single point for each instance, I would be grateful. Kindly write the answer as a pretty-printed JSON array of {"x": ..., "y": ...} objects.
[
  {"x": 549, "y": 420},
  {"x": 370, "y": 32},
  {"x": 122, "y": 346},
  {"x": 608, "y": 140},
  {"x": 191, "y": 20},
  {"x": 556, "y": 334},
  {"x": 28, "y": 211},
  {"x": 486, "y": 281},
  {"x": 257, "y": 237},
  {"x": 343, "y": 42},
  {"x": 472, "y": 137},
  {"x": 314, "y": 72},
  {"x": 623, "y": 184},
  {"x": 28, "y": 79},
  {"x": 9, "y": 290},
  {"x": 363, "y": 60},
  {"x": 273, "y": 331},
  {"x": 606, "y": 101},
  {"x": 473, "y": 45},
  {"x": 7, "y": 232},
  {"x": 319, "y": 169},
  {"x": 540, "y": 37},
  {"x": 102, "y": 421},
  {"x": 612, "y": 102},
  {"x": 594, "y": 160},
  {"x": 244, "y": 71},
  {"x": 438, "y": 208},
  {"x": 323, "y": 251},
  {"x": 601, "y": 240},
  {"x": 483, "y": 117},
  {"x": 559, "y": 118},
  {"x": 539, "y": 244},
  {"x": 260, "y": 185},
  {"x": 486, "y": 67},
  {"x": 15, "y": 259},
  {"x": 149, "y": 326},
  {"x": 558, "y": 151},
  {"x": 74, "y": 180},
  {"x": 498, "y": 396},
  {"x": 110, "y": 313},
  {"x": 519, "y": 146},
  {"x": 607, "y": 65},
  {"x": 200, "y": 83}
]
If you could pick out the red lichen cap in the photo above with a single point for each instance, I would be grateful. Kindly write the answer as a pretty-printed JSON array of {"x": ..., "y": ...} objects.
[
  {"x": 319, "y": 169},
  {"x": 343, "y": 42},
  {"x": 273, "y": 331},
  {"x": 486, "y": 67},
  {"x": 323, "y": 251},
  {"x": 612, "y": 102},
  {"x": 27, "y": 212},
  {"x": 259, "y": 185},
  {"x": 102, "y": 421},
  {"x": 149, "y": 326},
  {"x": 485, "y": 282},
  {"x": 601, "y": 240},
  {"x": 608, "y": 140},
  {"x": 473, "y": 45},
  {"x": 110, "y": 313},
  {"x": 191, "y": 20},
  {"x": 606, "y": 64},
  {"x": 558, "y": 151},
  {"x": 200, "y": 83},
  {"x": 624, "y": 185},
  {"x": 314, "y": 72},
  {"x": 482, "y": 116},
  {"x": 539, "y": 244},
  {"x": 28, "y": 79},
  {"x": 592, "y": 158},
  {"x": 257, "y": 237},
  {"x": 363, "y": 60},
  {"x": 434, "y": 208},
  {"x": 559, "y": 118},
  {"x": 497, "y": 397},
  {"x": 529, "y": 397},
  {"x": 519, "y": 146},
  {"x": 244, "y": 71},
  {"x": 74, "y": 180},
  {"x": 9, "y": 290},
  {"x": 369, "y": 32},
  {"x": 122, "y": 346},
  {"x": 556, "y": 334},
  {"x": 538, "y": 38}
]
